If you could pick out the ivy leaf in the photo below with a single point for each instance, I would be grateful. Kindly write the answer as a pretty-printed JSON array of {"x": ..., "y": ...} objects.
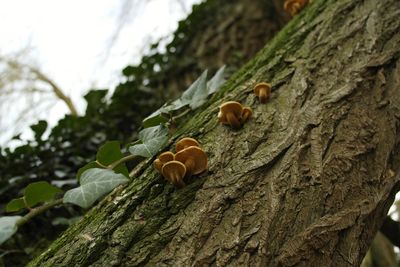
[
  {"x": 34, "y": 193},
  {"x": 8, "y": 227},
  {"x": 153, "y": 140},
  {"x": 94, "y": 184},
  {"x": 40, "y": 192},
  {"x": 109, "y": 153},
  {"x": 15, "y": 205},
  {"x": 196, "y": 94},
  {"x": 163, "y": 114},
  {"x": 155, "y": 119},
  {"x": 216, "y": 81},
  {"x": 90, "y": 165},
  {"x": 39, "y": 129}
]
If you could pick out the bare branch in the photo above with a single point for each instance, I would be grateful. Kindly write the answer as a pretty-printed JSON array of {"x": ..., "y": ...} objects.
[{"x": 44, "y": 78}]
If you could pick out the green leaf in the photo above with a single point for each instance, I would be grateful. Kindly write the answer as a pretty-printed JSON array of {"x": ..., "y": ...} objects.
[
  {"x": 109, "y": 153},
  {"x": 163, "y": 114},
  {"x": 151, "y": 133},
  {"x": 8, "y": 227},
  {"x": 90, "y": 165},
  {"x": 40, "y": 192},
  {"x": 153, "y": 140},
  {"x": 196, "y": 94},
  {"x": 39, "y": 129},
  {"x": 15, "y": 205},
  {"x": 95, "y": 100},
  {"x": 154, "y": 120},
  {"x": 216, "y": 81},
  {"x": 94, "y": 184}
]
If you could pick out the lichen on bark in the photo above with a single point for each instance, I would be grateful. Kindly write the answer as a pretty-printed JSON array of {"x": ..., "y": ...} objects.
[{"x": 306, "y": 182}]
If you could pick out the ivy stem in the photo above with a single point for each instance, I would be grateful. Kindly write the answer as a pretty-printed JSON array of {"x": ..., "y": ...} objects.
[
  {"x": 101, "y": 165},
  {"x": 121, "y": 160},
  {"x": 132, "y": 173},
  {"x": 26, "y": 204},
  {"x": 182, "y": 114},
  {"x": 39, "y": 210}
]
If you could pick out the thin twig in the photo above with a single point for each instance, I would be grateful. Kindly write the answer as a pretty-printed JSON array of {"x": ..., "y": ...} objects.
[
  {"x": 121, "y": 160},
  {"x": 36, "y": 211}
]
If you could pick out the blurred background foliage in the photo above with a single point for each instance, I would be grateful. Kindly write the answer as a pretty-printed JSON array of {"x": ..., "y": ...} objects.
[{"x": 217, "y": 32}]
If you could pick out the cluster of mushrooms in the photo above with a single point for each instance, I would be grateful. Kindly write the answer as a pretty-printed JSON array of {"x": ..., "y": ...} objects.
[
  {"x": 189, "y": 158},
  {"x": 232, "y": 113},
  {"x": 293, "y": 7}
]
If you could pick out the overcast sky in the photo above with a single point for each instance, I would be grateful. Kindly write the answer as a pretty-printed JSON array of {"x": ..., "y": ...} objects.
[{"x": 70, "y": 38}]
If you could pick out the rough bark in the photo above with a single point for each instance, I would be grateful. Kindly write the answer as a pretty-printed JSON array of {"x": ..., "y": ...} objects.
[{"x": 307, "y": 182}]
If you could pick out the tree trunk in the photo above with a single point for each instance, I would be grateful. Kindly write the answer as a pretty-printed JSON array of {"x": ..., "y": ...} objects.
[
  {"x": 306, "y": 182},
  {"x": 226, "y": 32}
]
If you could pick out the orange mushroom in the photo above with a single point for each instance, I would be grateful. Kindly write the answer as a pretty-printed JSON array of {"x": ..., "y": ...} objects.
[
  {"x": 186, "y": 142},
  {"x": 293, "y": 7},
  {"x": 263, "y": 91},
  {"x": 162, "y": 159},
  {"x": 194, "y": 159},
  {"x": 230, "y": 113},
  {"x": 246, "y": 114},
  {"x": 174, "y": 171}
]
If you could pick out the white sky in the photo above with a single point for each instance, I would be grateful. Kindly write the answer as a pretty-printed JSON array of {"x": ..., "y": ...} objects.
[{"x": 70, "y": 39}]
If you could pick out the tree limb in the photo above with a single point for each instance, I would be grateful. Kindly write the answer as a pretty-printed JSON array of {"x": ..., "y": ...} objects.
[{"x": 44, "y": 78}]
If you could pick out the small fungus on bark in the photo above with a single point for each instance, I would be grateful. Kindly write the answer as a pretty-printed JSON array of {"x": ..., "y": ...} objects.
[
  {"x": 162, "y": 159},
  {"x": 194, "y": 158},
  {"x": 293, "y": 7},
  {"x": 230, "y": 113},
  {"x": 174, "y": 171},
  {"x": 246, "y": 114},
  {"x": 186, "y": 142},
  {"x": 263, "y": 91},
  {"x": 234, "y": 114}
]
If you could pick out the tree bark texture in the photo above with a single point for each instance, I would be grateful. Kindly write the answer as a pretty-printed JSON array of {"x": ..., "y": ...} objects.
[{"x": 306, "y": 182}]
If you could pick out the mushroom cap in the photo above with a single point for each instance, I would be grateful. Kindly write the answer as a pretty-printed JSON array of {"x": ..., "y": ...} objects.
[
  {"x": 230, "y": 106},
  {"x": 166, "y": 156},
  {"x": 294, "y": 6},
  {"x": 162, "y": 159},
  {"x": 186, "y": 142},
  {"x": 170, "y": 168},
  {"x": 197, "y": 154},
  {"x": 246, "y": 113},
  {"x": 260, "y": 86}
]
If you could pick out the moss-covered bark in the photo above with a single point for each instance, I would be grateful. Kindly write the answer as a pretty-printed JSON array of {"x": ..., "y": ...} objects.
[{"x": 306, "y": 182}]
